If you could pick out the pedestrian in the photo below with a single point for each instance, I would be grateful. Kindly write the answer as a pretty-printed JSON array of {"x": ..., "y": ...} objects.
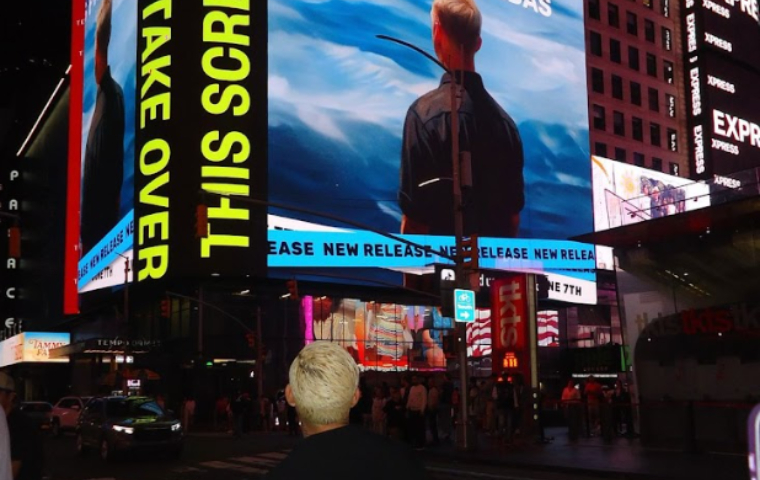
[
  {"x": 323, "y": 387},
  {"x": 433, "y": 404},
  {"x": 571, "y": 404},
  {"x": 445, "y": 407},
  {"x": 7, "y": 394},
  {"x": 237, "y": 415},
  {"x": 265, "y": 410},
  {"x": 26, "y": 450},
  {"x": 593, "y": 394},
  {"x": 220, "y": 412},
  {"x": 282, "y": 413},
  {"x": 415, "y": 409},
  {"x": 621, "y": 399},
  {"x": 378, "y": 412},
  {"x": 188, "y": 413},
  {"x": 395, "y": 414},
  {"x": 247, "y": 403}
]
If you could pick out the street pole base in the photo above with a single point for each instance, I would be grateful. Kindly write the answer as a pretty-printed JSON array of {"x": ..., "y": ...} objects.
[{"x": 467, "y": 437}]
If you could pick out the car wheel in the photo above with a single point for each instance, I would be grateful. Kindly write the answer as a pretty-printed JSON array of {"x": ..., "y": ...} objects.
[
  {"x": 55, "y": 430},
  {"x": 106, "y": 453},
  {"x": 81, "y": 447}
]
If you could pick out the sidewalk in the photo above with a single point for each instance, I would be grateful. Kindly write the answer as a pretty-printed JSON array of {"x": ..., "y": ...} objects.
[{"x": 624, "y": 458}]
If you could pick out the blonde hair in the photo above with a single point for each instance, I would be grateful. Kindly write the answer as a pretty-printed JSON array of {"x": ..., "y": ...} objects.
[
  {"x": 323, "y": 378},
  {"x": 460, "y": 19}
]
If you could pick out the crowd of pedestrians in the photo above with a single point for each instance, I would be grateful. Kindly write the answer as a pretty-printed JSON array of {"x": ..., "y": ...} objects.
[{"x": 607, "y": 411}]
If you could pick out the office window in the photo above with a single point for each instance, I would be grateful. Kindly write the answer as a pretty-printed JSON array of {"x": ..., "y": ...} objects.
[
  {"x": 654, "y": 134},
  {"x": 596, "y": 44},
  {"x": 638, "y": 159},
  {"x": 600, "y": 149},
  {"x": 620, "y": 154},
  {"x": 633, "y": 58},
  {"x": 667, "y": 39},
  {"x": 615, "y": 50},
  {"x": 597, "y": 80},
  {"x": 675, "y": 169},
  {"x": 667, "y": 71},
  {"x": 636, "y": 93},
  {"x": 670, "y": 102},
  {"x": 665, "y": 8},
  {"x": 657, "y": 164},
  {"x": 648, "y": 3},
  {"x": 593, "y": 9},
  {"x": 649, "y": 34},
  {"x": 613, "y": 15},
  {"x": 638, "y": 129},
  {"x": 654, "y": 100},
  {"x": 672, "y": 140},
  {"x": 618, "y": 123},
  {"x": 599, "y": 118},
  {"x": 631, "y": 23},
  {"x": 617, "y": 87},
  {"x": 651, "y": 65}
]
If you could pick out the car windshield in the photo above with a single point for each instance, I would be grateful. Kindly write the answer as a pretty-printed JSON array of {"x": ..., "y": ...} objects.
[
  {"x": 36, "y": 407},
  {"x": 133, "y": 408}
]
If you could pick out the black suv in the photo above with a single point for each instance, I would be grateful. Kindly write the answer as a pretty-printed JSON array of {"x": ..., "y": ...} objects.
[{"x": 119, "y": 424}]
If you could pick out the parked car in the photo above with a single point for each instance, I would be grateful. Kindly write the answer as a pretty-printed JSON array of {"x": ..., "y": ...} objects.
[
  {"x": 41, "y": 413},
  {"x": 115, "y": 425},
  {"x": 66, "y": 414}
]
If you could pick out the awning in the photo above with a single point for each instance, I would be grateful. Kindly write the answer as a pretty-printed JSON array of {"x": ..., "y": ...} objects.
[{"x": 106, "y": 346}]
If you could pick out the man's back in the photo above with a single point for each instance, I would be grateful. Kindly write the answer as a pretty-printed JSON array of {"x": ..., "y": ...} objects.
[
  {"x": 26, "y": 445},
  {"x": 349, "y": 453}
]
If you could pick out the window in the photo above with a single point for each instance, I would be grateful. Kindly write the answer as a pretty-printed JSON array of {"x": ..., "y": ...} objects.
[
  {"x": 615, "y": 50},
  {"x": 657, "y": 164},
  {"x": 599, "y": 118},
  {"x": 654, "y": 134},
  {"x": 597, "y": 80},
  {"x": 631, "y": 23},
  {"x": 654, "y": 100},
  {"x": 649, "y": 34},
  {"x": 617, "y": 87},
  {"x": 636, "y": 93},
  {"x": 667, "y": 39},
  {"x": 596, "y": 44},
  {"x": 670, "y": 102},
  {"x": 675, "y": 169},
  {"x": 600, "y": 149},
  {"x": 648, "y": 3},
  {"x": 618, "y": 123},
  {"x": 613, "y": 15},
  {"x": 620, "y": 154},
  {"x": 665, "y": 8},
  {"x": 638, "y": 159},
  {"x": 651, "y": 65},
  {"x": 667, "y": 71},
  {"x": 633, "y": 58},
  {"x": 672, "y": 140},
  {"x": 638, "y": 129},
  {"x": 593, "y": 9}
]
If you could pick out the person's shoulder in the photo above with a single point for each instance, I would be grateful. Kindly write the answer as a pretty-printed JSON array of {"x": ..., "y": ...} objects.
[{"x": 430, "y": 105}]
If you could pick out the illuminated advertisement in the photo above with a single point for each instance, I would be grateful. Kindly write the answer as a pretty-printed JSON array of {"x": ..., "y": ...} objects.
[
  {"x": 721, "y": 74},
  {"x": 548, "y": 328},
  {"x": 625, "y": 194},
  {"x": 32, "y": 347},
  {"x": 359, "y": 130},
  {"x": 165, "y": 104}
]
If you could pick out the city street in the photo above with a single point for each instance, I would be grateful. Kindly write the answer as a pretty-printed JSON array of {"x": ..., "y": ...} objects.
[{"x": 220, "y": 457}]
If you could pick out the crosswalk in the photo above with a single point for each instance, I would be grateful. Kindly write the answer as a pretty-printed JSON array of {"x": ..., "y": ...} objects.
[{"x": 253, "y": 465}]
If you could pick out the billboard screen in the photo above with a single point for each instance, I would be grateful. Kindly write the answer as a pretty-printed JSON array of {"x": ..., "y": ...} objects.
[
  {"x": 721, "y": 74},
  {"x": 625, "y": 194},
  {"x": 165, "y": 109},
  {"x": 359, "y": 127}
]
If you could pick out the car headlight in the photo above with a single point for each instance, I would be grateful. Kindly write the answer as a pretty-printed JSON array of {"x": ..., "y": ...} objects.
[
  {"x": 176, "y": 427},
  {"x": 120, "y": 429}
]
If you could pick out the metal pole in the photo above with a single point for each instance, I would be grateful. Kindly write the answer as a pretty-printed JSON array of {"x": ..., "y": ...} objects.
[
  {"x": 200, "y": 320},
  {"x": 259, "y": 357}
]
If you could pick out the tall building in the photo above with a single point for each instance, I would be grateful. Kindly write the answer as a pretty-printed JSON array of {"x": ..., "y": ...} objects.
[{"x": 633, "y": 59}]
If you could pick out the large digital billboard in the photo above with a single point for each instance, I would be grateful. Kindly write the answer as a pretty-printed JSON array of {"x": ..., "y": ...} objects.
[
  {"x": 722, "y": 70},
  {"x": 359, "y": 127},
  {"x": 167, "y": 113}
]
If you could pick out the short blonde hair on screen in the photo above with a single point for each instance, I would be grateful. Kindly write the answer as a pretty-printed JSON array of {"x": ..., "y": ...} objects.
[
  {"x": 324, "y": 378},
  {"x": 460, "y": 19}
]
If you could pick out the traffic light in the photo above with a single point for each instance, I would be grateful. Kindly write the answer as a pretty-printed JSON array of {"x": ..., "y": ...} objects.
[
  {"x": 251, "y": 339},
  {"x": 201, "y": 221},
  {"x": 14, "y": 242},
  {"x": 467, "y": 249},
  {"x": 293, "y": 289},
  {"x": 166, "y": 308}
]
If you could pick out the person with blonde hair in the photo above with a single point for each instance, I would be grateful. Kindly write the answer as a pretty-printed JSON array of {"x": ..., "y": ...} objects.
[
  {"x": 324, "y": 381},
  {"x": 492, "y": 206}
]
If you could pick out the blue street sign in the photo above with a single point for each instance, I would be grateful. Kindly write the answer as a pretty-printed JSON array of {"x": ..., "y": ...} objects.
[{"x": 464, "y": 305}]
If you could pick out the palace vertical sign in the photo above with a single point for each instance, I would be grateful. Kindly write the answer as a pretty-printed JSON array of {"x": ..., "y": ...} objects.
[
  {"x": 10, "y": 204},
  {"x": 201, "y": 131}
]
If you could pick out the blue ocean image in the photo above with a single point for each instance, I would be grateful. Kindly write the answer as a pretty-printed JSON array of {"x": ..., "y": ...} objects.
[
  {"x": 121, "y": 59},
  {"x": 338, "y": 97}
]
